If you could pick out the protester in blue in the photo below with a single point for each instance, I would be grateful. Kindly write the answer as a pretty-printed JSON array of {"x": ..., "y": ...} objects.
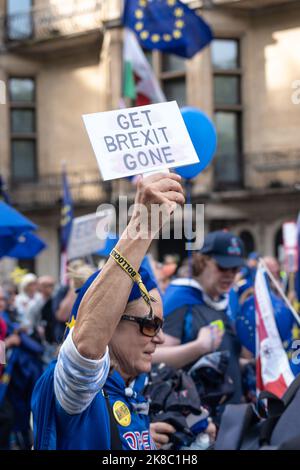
[
  {"x": 196, "y": 309},
  {"x": 91, "y": 397}
]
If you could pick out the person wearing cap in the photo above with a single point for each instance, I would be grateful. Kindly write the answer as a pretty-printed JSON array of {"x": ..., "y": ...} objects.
[
  {"x": 91, "y": 397},
  {"x": 196, "y": 308}
]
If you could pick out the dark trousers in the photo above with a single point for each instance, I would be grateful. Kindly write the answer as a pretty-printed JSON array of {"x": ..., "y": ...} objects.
[{"x": 6, "y": 423}]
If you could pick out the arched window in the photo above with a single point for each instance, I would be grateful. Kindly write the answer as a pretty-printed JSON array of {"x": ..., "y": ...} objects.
[{"x": 248, "y": 240}]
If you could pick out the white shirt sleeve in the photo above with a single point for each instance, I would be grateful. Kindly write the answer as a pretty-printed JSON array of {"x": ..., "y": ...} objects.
[{"x": 77, "y": 379}]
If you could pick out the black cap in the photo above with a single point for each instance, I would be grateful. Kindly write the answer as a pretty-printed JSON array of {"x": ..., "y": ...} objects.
[{"x": 225, "y": 248}]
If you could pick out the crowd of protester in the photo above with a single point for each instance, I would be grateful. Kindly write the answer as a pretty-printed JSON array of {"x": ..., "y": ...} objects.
[{"x": 202, "y": 359}]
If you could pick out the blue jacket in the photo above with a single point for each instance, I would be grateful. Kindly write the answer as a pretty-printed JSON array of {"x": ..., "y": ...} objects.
[{"x": 90, "y": 430}]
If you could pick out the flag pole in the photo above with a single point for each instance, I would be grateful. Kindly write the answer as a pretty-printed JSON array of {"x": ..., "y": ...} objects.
[{"x": 279, "y": 289}]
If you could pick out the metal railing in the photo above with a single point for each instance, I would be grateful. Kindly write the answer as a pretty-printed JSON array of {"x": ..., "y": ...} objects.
[
  {"x": 41, "y": 23},
  {"x": 86, "y": 188}
]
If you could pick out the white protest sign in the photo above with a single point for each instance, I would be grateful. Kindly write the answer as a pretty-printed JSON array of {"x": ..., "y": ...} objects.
[
  {"x": 290, "y": 244},
  {"x": 136, "y": 140},
  {"x": 88, "y": 234},
  {"x": 289, "y": 230}
]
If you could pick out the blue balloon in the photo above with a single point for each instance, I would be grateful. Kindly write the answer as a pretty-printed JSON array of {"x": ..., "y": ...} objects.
[{"x": 204, "y": 137}]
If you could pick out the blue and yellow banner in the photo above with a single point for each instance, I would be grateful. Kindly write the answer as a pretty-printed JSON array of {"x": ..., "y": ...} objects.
[{"x": 66, "y": 213}]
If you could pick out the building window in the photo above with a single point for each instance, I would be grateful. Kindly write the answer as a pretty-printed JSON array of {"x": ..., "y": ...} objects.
[
  {"x": 248, "y": 240},
  {"x": 23, "y": 128},
  {"x": 278, "y": 245},
  {"x": 172, "y": 74},
  {"x": 227, "y": 77},
  {"x": 19, "y": 19}
]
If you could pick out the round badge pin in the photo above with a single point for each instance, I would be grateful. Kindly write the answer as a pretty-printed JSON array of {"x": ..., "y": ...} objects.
[{"x": 121, "y": 413}]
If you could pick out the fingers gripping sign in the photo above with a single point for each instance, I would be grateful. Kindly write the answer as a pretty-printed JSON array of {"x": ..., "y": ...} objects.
[{"x": 156, "y": 199}]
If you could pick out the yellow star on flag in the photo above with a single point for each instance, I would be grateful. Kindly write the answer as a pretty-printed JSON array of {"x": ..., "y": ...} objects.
[
  {"x": 71, "y": 323},
  {"x": 139, "y": 14},
  {"x": 139, "y": 26},
  {"x": 5, "y": 379},
  {"x": 177, "y": 34},
  {"x": 178, "y": 12},
  {"x": 179, "y": 23},
  {"x": 144, "y": 35},
  {"x": 155, "y": 37}
]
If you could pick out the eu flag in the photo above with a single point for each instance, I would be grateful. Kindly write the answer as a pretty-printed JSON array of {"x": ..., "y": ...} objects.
[
  {"x": 167, "y": 25},
  {"x": 66, "y": 214}
]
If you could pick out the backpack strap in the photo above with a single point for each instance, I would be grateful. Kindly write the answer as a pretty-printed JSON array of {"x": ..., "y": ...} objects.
[
  {"x": 115, "y": 441},
  {"x": 275, "y": 409},
  {"x": 235, "y": 422}
]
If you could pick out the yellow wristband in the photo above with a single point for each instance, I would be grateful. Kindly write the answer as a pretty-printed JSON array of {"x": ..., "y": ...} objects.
[{"x": 133, "y": 274}]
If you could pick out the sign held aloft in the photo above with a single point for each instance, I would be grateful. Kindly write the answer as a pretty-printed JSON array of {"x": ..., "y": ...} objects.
[
  {"x": 136, "y": 140},
  {"x": 290, "y": 243}
]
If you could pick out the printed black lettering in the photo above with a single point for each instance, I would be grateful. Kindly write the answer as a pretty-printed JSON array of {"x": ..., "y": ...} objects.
[
  {"x": 122, "y": 121},
  {"x": 129, "y": 161},
  {"x": 147, "y": 138},
  {"x": 155, "y": 157},
  {"x": 163, "y": 130},
  {"x": 166, "y": 151},
  {"x": 122, "y": 139},
  {"x": 110, "y": 143},
  {"x": 143, "y": 159},
  {"x": 147, "y": 112},
  {"x": 134, "y": 120},
  {"x": 134, "y": 140},
  {"x": 155, "y": 135}
]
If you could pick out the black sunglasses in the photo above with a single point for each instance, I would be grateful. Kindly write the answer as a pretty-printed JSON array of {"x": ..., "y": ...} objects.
[
  {"x": 148, "y": 326},
  {"x": 224, "y": 270}
]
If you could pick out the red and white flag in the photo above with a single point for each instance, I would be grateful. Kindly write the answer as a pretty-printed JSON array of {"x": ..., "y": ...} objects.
[
  {"x": 273, "y": 372},
  {"x": 139, "y": 81}
]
